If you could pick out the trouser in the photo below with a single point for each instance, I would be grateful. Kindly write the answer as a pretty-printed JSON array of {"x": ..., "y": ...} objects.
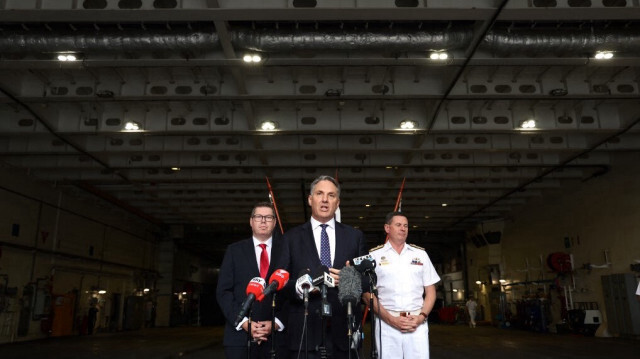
[
  {"x": 396, "y": 344},
  {"x": 472, "y": 318},
  {"x": 262, "y": 351}
]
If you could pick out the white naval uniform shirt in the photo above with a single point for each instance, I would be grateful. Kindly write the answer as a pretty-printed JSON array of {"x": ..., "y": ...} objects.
[{"x": 402, "y": 277}]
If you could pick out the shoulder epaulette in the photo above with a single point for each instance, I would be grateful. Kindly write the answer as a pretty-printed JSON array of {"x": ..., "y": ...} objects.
[
  {"x": 417, "y": 247},
  {"x": 376, "y": 248}
]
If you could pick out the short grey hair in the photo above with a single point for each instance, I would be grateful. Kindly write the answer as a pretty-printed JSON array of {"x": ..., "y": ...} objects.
[{"x": 324, "y": 178}]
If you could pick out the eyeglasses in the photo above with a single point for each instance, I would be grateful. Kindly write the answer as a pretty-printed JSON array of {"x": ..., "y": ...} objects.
[{"x": 260, "y": 218}]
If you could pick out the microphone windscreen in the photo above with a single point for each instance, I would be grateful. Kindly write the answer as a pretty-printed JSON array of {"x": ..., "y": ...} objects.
[
  {"x": 350, "y": 288},
  {"x": 255, "y": 286},
  {"x": 281, "y": 277}
]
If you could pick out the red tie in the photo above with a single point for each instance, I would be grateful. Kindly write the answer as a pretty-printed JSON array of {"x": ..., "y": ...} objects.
[{"x": 264, "y": 261}]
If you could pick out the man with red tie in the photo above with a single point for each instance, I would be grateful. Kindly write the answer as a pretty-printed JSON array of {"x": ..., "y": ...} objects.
[{"x": 258, "y": 256}]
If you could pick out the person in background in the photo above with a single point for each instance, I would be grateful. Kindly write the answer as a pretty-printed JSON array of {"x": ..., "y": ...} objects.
[
  {"x": 258, "y": 256},
  {"x": 321, "y": 241},
  {"x": 471, "y": 308},
  {"x": 406, "y": 293},
  {"x": 92, "y": 316}
]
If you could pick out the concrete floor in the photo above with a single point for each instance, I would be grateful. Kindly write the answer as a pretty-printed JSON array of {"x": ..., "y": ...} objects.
[{"x": 447, "y": 341}]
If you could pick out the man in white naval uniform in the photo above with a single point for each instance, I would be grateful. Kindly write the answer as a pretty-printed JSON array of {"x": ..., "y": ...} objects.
[{"x": 404, "y": 274}]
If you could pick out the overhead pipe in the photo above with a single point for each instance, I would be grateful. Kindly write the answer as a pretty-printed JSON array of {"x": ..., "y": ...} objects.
[{"x": 457, "y": 37}]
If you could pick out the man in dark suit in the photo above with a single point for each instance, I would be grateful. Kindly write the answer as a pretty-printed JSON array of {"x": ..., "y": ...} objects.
[
  {"x": 243, "y": 261},
  {"x": 305, "y": 244}
]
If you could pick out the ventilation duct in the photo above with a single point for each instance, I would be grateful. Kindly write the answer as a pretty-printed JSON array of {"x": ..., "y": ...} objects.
[{"x": 500, "y": 41}]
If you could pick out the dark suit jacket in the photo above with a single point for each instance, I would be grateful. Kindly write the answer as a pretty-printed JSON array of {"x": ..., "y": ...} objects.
[
  {"x": 239, "y": 266},
  {"x": 304, "y": 254}
]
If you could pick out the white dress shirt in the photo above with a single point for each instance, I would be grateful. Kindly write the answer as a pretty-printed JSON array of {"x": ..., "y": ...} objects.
[
  {"x": 331, "y": 232},
  {"x": 258, "y": 251}
]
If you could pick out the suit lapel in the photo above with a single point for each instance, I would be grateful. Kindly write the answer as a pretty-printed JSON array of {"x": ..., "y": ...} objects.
[
  {"x": 250, "y": 253},
  {"x": 339, "y": 260},
  {"x": 310, "y": 243},
  {"x": 276, "y": 252}
]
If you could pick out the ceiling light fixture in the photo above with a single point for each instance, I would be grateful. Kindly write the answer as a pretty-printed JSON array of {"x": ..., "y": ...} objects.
[
  {"x": 252, "y": 58},
  {"x": 603, "y": 55},
  {"x": 68, "y": 57},
  {"x": 268, "y": 126},
  {"x": 444, "y": 205},
  {"x": 367, "y": 205},
  {"x": 407, "y": 125},
  {"x": 528, "y": 124},
  {"x": 439, "y": 56},
  {"x": 175, "y": 168},
  {"x": 132, "y": 126}
]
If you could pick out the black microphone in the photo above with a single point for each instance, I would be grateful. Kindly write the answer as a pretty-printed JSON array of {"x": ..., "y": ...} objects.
[
  {"x": 364, "y": 263},
  {"x": 322, "y": 280}
]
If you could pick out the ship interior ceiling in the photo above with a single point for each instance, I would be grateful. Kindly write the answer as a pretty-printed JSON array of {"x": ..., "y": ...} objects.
[{"x": 184, "y": 112}]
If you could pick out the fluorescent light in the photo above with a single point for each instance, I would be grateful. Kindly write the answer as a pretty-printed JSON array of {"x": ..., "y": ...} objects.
[
  {"x": 528, "y": 124},
  {"x": 132, "y": 126},
  {"x": 67, "y": 57},
  {"x": 407, "y": 125},
  {"x": 173, "y": 169},
  {"x": 268, "y": 126},
  {"x": 439, "y": 56},
  {"x": 603, "y": 55},
  {"x": 478, "y": 282},
  {"x": 252, "y": 58},
  {"x": 102, "y": 291},
  {"x": 444, "y": 205}
]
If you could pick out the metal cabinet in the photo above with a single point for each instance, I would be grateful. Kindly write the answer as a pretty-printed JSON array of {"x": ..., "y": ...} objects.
[{"x": 623, "y": 310}]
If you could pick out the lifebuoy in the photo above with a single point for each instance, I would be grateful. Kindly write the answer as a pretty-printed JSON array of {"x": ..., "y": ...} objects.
[{"x": 559, "y": 262}]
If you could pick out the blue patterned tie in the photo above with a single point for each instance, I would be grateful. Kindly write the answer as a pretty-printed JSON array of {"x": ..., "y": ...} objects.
[{"x": 325, "y": 249}]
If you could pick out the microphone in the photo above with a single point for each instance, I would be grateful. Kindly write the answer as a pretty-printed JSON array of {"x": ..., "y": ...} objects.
[
  {"x": 350, "y": 288},
  {"x": 364, "y": 263},
  {"x": 304, "y": 284},
  {"x": 254, "y": 291},
  {"x": 277, "y": 280},
  {"x": 349, "y": 293},
  {"x": 322, "y": 279}
]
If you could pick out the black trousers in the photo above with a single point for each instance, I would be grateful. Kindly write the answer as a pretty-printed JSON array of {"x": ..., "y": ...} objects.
[{"x": 262, "y": 351}]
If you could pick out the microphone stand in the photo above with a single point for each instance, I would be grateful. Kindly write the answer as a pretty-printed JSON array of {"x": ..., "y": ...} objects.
[
  {"x": 249, "y": 336},
  {"x": 306, "y": 318},
  {"x": 372, "y": 290},
  {"x": 349, "y": 328},
  {"x": 325, "y": 312},
  {"x": 273, "y": 327}
]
